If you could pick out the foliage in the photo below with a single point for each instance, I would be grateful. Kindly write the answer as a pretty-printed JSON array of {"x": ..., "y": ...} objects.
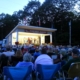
[
  {"x": 52, "y": 14},
  {"x": 8, "y": 23}
]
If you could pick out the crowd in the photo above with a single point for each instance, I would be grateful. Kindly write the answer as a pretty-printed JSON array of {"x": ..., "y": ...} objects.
[{"x": 24, "y": 55}]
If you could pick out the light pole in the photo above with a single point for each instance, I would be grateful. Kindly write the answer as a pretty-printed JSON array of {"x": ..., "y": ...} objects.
[
  {"x": 2, "y": 32},
  {"x": 70, "y": 32},
  {"x": 1, "y": 25}
]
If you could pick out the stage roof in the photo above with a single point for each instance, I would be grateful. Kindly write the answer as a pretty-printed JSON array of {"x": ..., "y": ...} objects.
[{"x": 20, "y": 26}]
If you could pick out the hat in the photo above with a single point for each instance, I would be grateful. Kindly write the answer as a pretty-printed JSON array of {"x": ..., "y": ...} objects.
[{"x": 75, "y": 51}]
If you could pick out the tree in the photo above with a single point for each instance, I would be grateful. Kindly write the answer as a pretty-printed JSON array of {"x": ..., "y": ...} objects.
[
  {"x": 58, "y": 13},
  {"x": 52, "y": 9},
  {"x": 2, "y": 16},
  {"x": 8, "y": 23},
  {"x": 55, "y": 13},
  {"x": 20, "y": 14},
  {"x": 31, "y": 7}
]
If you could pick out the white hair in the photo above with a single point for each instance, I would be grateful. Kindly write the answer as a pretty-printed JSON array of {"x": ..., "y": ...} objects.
[{"x": 27, "y": 57}]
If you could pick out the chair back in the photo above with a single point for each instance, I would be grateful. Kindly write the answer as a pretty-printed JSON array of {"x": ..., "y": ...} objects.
[
  {"x": 74, "y": 70},
  {"x": 47, "y": 72},
  {"x": 17, "y": 73}
]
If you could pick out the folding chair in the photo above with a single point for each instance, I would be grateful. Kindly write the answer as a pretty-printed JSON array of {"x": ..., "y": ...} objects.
[
  {"x": 17, "y": 73},
  {"x": 74, "y": 70},
  {"x": 47, "y": 72}
]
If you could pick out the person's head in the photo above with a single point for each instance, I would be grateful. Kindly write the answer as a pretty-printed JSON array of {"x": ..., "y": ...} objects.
[
  {"x": 25, "y": 50},
  {"x": 18, "y": 53},
  {"x": 37, "y": 50},
  {"x": 55, "y": 50},
  {"x": 3, "y": 57},
  {"x": 63, "y": 52},
  {"x": 27, "y": 57},
  {"x": 8, "y": 49},
  {"x": 75, "y": 52},
  {"x": 31, "y": 50},
  {"x": 44, "y": 50}
]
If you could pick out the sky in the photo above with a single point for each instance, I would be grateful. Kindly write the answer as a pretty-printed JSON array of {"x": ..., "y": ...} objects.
[
  {"x": 10, "y": 6},
  {"x": 77, "y": 6}
]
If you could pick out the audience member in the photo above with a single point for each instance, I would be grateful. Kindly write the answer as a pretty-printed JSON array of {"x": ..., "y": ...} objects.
[
  {"x": 75, "y": 58},
  {"x": 27, "y": 60},
  {"x": 8, "y": 52},
  {"x": 37, "y": 53},
  {"x": 43, "y": 58},
  {"x": 4, "y": 61},
  {"x": 17, "y": 57}
]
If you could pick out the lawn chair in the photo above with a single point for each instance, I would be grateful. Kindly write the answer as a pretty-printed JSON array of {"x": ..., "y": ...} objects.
[
  {"x": 17, "y": 73},
  {"x": 74, "y": 70},
  {"x": 47, "y": 72}
]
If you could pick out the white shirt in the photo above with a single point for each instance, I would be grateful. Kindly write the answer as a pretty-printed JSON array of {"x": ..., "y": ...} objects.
[
  {"x": 43, "y": 59},
  {"x": 8, "y": 53}
]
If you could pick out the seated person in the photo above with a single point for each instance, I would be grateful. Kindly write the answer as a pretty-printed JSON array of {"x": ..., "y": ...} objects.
[
  {"x": 8, "y": 52},
  {"x": 36, "y": 54},
  {"x": 56, "y": 58},
  {"x": 75, "y": 58},
  {"x": 43, "y": 58},
  {"x": 27, "y": 58},
  {"x": 17, "y": 57},
  {"x": 4, "y": 61}
]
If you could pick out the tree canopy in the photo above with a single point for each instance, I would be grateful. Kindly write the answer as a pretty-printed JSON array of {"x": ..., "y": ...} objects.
[{"x": 52, "y": 14}]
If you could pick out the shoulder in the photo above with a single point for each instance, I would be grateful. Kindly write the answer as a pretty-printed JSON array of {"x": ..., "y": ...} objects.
[{"x": 19, "y": 64}]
